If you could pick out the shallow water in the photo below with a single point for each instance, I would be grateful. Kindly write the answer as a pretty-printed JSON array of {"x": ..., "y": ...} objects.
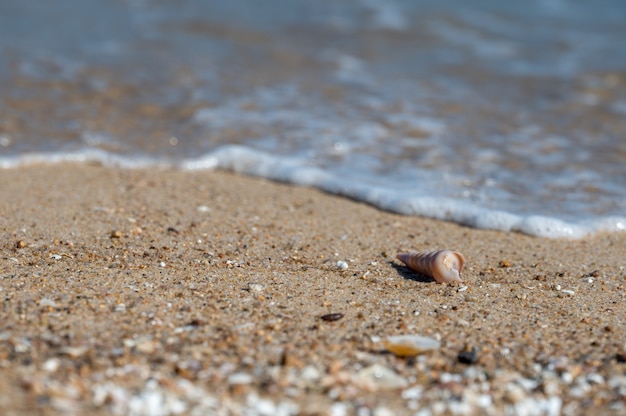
[{"x": 485, "y": 113}]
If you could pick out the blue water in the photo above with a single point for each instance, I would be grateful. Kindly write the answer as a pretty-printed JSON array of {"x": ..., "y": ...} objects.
[{"x": 493, "y": 114}]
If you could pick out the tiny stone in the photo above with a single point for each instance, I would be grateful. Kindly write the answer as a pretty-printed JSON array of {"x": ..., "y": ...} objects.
[
  {"x": 116, "y": 234},
  {"x": 48, "y": 302},
  {"x": 595, "y": 378},
  {"x": 21, "y": 244},
  {"x": 255, "y": 287},
  {"x": 514, "y": 393},
  {"x": 310, "y": 373},
  {"x": 51, "y": 365},
  {"x": 413, "y": 393},
  {"x": 239, "y": 378},
  {"x": 468, "y": 356},
  {"x": 382, "y": 411},
  {"x": 146, "y": 347},
  {"x": 331, "y": 317},
  {"x": 74, "y": 352},
  {"x": 342, "y": 265}
]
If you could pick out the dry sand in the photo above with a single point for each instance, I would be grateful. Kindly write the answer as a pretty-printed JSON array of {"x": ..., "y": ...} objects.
[{"x": 133, "y": 292}]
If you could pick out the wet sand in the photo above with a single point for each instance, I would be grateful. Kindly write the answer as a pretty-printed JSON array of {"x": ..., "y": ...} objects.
[{"x": 128, "y": 292}]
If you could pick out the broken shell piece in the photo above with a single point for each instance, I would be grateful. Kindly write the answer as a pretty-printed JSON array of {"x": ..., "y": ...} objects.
[
  {"x": 378, "y": 377},
  {"x": 442, "y": 265},
  {"x": 410, "y": 345}
]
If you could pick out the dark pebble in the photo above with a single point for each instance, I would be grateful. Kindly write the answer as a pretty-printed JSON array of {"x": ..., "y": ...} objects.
[
  {"x": 468, "y": 356},
  {"x": 332, "y": 316}
]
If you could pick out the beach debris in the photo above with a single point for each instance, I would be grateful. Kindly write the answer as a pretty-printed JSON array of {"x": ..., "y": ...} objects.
[
  {"x": 21, "y": 244},
  {"x": 410, "y": 345},
  {"x": 444, "y": 266},
  {"x": 342, "y": 265},
  {"x": 378, "y": 377},
  {"x": 331, "y": 317}
]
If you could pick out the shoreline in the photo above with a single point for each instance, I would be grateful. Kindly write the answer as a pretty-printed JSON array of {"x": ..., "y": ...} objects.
[
  {"x": 131, "y": 288},
  {"x": 265, "y": 166}
]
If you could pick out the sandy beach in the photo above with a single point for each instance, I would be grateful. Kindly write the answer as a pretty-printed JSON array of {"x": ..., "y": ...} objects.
[{"x": 168, "y": 292}]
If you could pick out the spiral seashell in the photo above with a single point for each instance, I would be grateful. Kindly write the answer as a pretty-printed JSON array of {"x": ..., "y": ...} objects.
[{"x": 442, "y": 265}]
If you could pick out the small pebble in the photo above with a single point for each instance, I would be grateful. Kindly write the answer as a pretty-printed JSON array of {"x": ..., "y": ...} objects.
[
  {"x": 48, "y": 302},
  {"x": 332, "y": 317},
  {"x": 240, "y": 378},
  {"x": 51, "y": 365},
  {"x": 342, "y": 265},
  {"x": 468, "y": 356},
  {"x": 255, "y": 287}
]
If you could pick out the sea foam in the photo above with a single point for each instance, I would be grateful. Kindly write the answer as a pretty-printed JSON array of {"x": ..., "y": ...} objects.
[{"x": 296, "y": 171}]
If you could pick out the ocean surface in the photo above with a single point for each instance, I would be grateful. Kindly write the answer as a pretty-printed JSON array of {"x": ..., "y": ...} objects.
[{"x": 493, "y": 114}]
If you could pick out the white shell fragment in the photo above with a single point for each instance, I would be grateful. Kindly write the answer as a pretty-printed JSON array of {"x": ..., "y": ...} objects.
[
  {"x": 342, "y": 265},
  {"x": 410, "y": 345},
  {"x": 378, "y": 377},
  {"x": 444, "y": 266}
]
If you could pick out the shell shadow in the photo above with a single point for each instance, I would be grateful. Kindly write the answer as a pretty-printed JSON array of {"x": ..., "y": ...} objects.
[{"x": 409, "y": 274}]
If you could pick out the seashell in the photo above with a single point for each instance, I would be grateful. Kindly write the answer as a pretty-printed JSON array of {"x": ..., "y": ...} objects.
[
  {"x": 442, "y": 265},
  {"x": 410, "y": 345}
]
